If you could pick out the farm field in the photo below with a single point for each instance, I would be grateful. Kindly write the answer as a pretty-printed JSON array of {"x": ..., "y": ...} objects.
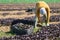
[{"x": 9, "y": 14}]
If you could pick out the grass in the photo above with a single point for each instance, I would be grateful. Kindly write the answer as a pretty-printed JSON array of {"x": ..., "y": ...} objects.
[
  {"x": 6, "y": 34},
  {"x": 27, "y": 1}
]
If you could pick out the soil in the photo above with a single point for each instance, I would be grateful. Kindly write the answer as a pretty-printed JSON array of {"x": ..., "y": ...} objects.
[{"x": 46, "y": 32}]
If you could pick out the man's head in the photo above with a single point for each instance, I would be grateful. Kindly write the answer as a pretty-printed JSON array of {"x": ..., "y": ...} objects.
[{"x": 43, "y": 11}]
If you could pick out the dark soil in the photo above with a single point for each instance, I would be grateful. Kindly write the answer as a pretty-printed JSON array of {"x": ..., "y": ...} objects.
[{"x": 46, "y": 32}]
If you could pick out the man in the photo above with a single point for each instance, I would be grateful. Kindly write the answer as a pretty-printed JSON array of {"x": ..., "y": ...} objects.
[{"x": 42, "y": 8}]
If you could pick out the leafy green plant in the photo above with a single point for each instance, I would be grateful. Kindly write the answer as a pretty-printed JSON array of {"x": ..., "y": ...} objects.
[{"x": 6, "y": 34}]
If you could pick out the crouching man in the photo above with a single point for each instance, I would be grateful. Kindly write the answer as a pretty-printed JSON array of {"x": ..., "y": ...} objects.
[{"x": 44, "y": 9}]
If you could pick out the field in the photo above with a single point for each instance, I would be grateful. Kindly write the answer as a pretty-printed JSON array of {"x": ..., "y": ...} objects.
[
  {"x": 26, "y": 1},
  {"x": 11, "y": 12}
]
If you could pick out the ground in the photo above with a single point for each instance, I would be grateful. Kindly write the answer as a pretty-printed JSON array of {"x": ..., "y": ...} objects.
[{"x": 49, "y": 33}]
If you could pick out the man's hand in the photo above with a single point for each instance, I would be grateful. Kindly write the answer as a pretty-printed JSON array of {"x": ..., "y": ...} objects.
[{"x": 45, "y": 24}]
